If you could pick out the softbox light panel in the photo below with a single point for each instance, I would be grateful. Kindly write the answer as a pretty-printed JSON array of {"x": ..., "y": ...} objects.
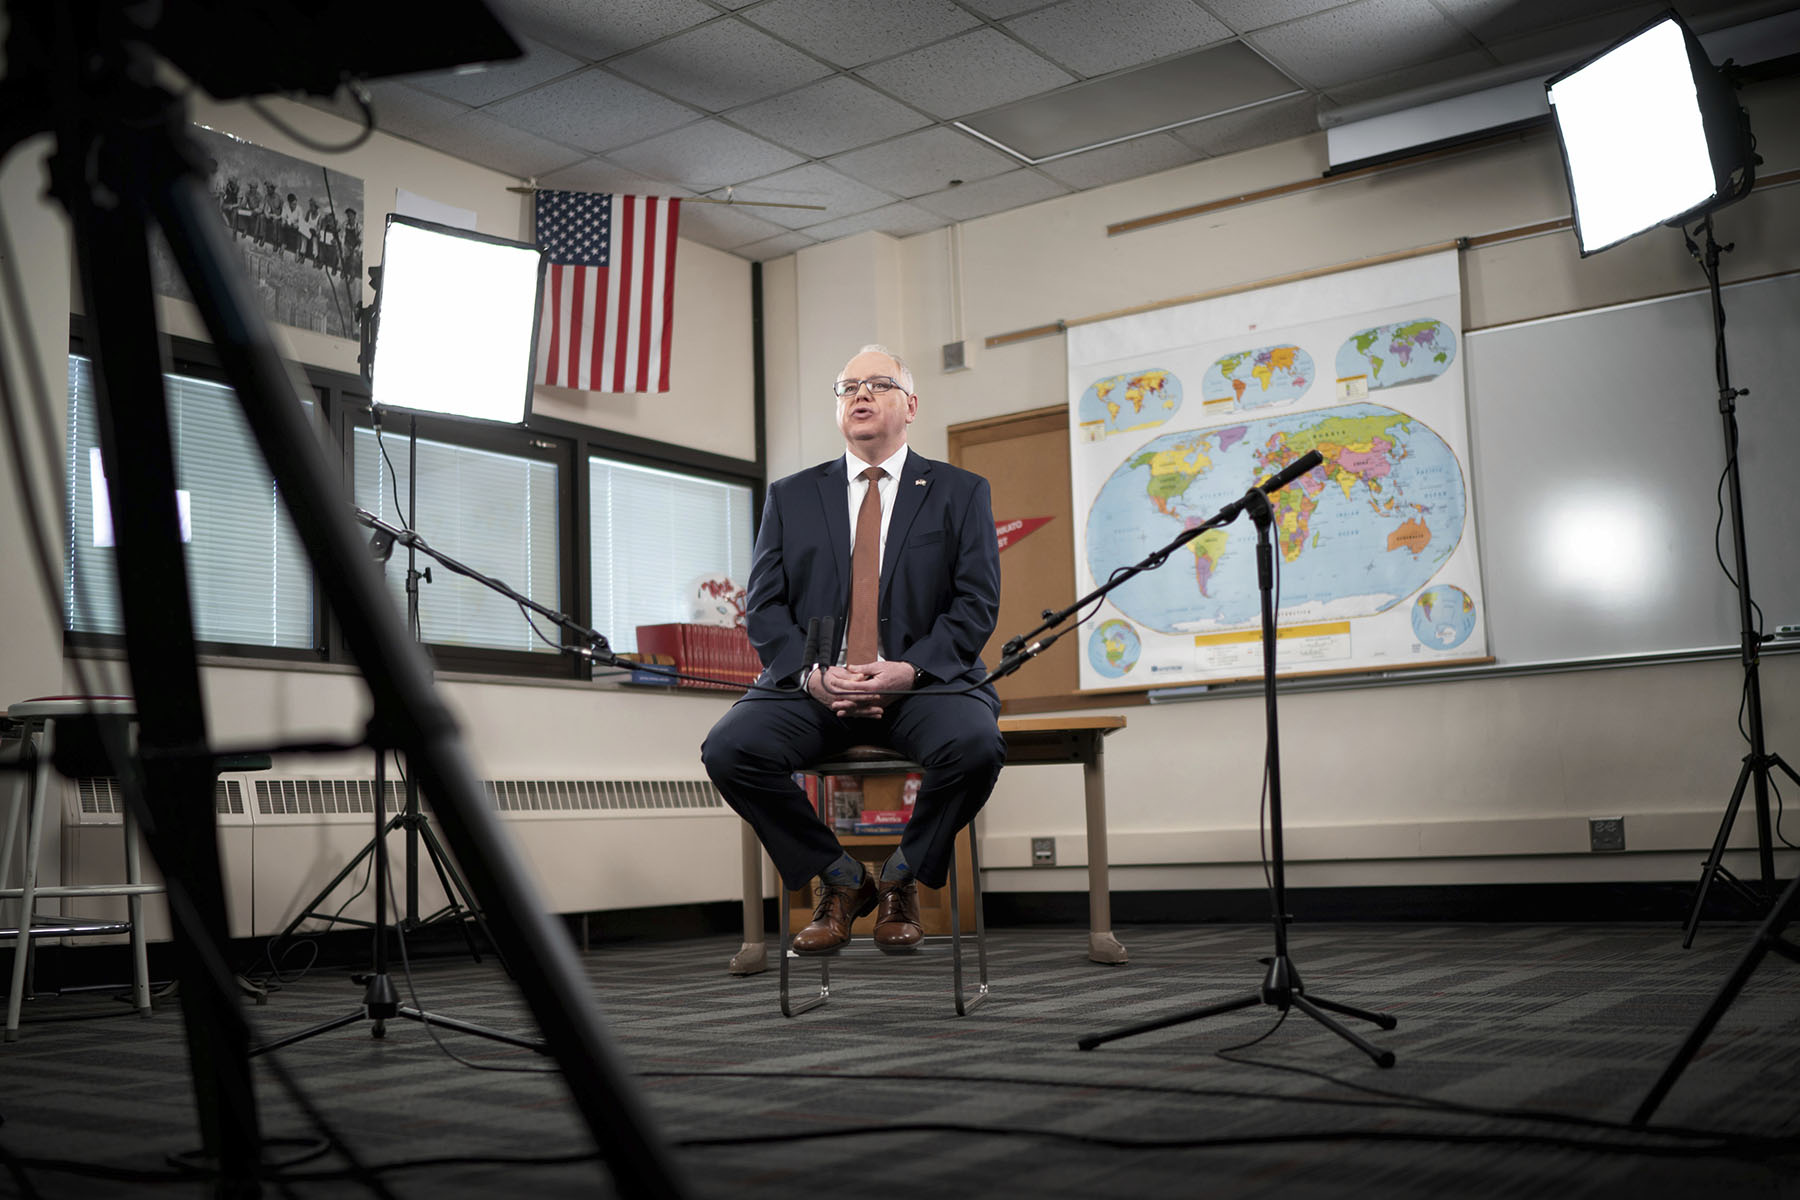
[
  {"x": 455, "y": 322},
  {"x": 1651, "y": 134}
]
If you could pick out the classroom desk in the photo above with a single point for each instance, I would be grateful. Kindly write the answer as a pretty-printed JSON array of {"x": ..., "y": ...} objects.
[{"x": 1029, "y": 740}]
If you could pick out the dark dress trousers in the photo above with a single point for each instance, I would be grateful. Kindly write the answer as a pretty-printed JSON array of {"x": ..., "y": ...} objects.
[{"x": 939, "y": 596}]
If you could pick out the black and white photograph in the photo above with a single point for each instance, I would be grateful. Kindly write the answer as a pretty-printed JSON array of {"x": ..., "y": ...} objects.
[{"x": 298, "y": 225}]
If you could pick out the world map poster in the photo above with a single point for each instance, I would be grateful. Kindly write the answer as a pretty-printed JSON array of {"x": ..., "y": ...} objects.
[{"x": 1179, "y": 411}]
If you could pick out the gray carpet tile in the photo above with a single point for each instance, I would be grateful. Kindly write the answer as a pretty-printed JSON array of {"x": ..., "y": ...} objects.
[{"x": 884, "y": 1089}]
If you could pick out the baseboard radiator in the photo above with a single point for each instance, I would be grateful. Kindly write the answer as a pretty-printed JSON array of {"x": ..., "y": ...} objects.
[{"x": 589, "y": 845}]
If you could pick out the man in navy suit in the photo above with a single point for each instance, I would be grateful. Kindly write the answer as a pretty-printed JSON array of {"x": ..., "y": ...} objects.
[{"x": 935, "y": 607}]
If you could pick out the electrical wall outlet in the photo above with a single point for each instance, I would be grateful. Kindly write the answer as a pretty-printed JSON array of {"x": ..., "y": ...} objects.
[
  {"x": 1606, "y": 833},
  {"x": 1043, "y": 852}
]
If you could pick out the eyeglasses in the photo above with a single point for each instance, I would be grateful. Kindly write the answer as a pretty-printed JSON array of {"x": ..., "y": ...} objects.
[{"x": 878, "y": 385}]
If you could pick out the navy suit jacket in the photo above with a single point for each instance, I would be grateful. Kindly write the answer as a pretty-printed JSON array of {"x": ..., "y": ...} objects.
[{"x": 940, "y": 573}]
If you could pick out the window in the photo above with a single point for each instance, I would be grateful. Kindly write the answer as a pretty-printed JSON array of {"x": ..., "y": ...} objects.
[
  {"x": 628, "y": 540},
  {"x": 497, "y": 512},
  {"x": 653, "y": 537},
  {"x": 247, "y": 573}
]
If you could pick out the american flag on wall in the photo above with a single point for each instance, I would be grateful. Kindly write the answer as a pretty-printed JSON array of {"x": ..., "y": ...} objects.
[{"x": 609, "y": 290}]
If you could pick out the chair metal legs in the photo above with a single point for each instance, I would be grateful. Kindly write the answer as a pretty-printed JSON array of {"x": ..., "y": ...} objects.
[{"x": 965, "y": 999}]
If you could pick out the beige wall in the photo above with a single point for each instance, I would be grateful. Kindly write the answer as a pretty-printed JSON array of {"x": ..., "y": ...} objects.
[
  {"x": 1482, "y": 781},
  {"x": 513, "y": 731}
]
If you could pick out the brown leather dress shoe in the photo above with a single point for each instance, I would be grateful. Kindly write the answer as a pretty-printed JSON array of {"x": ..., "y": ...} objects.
[
  {"x": 897, "y": 925},
  {"x": 838, "y": 906}
]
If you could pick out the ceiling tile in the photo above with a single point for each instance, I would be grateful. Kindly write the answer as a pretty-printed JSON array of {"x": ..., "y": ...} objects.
[
  {"x": 1002, "y": 8},
  {"x": 1492, "y": 20},
  {"x": 1123, "y": 160},
  {"x": 594, "y": 110},
  {"x": 1245, "y": 15},
  {"x": 923, "y": 162},
  {"x": 602, "y": 175},
  {"x": 828, "y": 116},
  {"x": 1571, "y": 42},
  {"x": 725, "y": 227},
  {"x": 1264, "y": 125},
  {"x": 852, "y": 32},
  {"x": 595, "y": 31},
  {"x": 1093, "y": 37},
  {"x": 403, "y": 110},
  {"x": 776, "y": 247},
  {"x": 967, "y": 74},
  {"x": 721, "y": 65},
  {"x": 478, "y": 138},
  {"x": 1219, "y": 78},
  {"x": 900, "y": 220},
  {"x": 705, "y": 155},
  {"x": 811, "y": 184},
  {"x": 1014, "y": 190},
  {"x": 540, "y": 65},
  {"x": 1353, "y": 41},
  {"x": 1407, "y": 79}
]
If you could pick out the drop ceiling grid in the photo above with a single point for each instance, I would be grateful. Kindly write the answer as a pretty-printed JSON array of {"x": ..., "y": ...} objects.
[{"x": 847, "y": 103}]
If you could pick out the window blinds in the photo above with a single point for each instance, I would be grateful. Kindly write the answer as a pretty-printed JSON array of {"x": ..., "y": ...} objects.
[
  {"x": 654, "y": 535},
  {"x": 248, "y": 577},
  {"x": 491, "y": 511}
]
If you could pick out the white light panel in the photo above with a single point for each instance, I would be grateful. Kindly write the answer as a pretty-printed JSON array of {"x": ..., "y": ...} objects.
[
  {"x": 457, "y": 322},
  {"x": 1633, "y": 137}
]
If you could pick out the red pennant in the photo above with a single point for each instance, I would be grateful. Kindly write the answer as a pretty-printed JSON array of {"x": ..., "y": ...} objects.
[{"x": 1017, "y": 529}]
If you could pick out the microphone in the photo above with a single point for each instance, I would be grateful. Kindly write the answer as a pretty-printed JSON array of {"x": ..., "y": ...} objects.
[
  {"x": 811, "y": 653},
  {"x": 1273, "y": 484},
  {"x": 1018, "y": 658},
  {"x": 1292, "y": 471}
]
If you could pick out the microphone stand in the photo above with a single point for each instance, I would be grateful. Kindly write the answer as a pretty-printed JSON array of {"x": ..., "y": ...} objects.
[{"x": 1281, "y": 985}]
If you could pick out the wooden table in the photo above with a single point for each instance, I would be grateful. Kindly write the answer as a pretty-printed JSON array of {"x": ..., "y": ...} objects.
[{"x": 1044, "y": 740}]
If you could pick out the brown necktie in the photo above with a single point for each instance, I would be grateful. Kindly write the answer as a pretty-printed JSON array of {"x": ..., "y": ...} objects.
[{"x": 865, "y": 574}]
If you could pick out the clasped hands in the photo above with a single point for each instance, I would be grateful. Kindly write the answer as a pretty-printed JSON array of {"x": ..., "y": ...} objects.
[{"x": 860, "y": 690}]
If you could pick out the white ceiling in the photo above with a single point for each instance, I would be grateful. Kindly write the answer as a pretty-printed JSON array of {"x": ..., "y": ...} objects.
[{"x": 850, "y": 104}]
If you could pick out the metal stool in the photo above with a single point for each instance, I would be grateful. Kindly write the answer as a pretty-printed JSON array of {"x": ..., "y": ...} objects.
[
  {"x": 30, "y": 816},
  {"x": 880, "y": 760}
]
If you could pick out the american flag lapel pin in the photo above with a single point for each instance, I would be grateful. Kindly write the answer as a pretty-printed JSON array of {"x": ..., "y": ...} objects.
[{"x": 919, "y": 482}]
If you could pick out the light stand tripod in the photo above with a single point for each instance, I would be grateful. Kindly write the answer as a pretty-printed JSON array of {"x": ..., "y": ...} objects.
[
  {"x": 380, "y": 1002},
  {"x": 1760, "y": 760},
  {"x": 1281, "y": 986},
  {"x": 459, "y": 905}
]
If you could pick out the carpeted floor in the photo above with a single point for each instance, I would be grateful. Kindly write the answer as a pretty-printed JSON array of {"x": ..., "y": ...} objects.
[{"x": 885, "y": 1091}]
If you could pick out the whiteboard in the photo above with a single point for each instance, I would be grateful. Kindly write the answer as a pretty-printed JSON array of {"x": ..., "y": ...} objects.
[{"x": 1598, "y": 447}]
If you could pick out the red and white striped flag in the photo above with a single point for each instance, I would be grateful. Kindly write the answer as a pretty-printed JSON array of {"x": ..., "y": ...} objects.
[{"x": 609, "y": 290}]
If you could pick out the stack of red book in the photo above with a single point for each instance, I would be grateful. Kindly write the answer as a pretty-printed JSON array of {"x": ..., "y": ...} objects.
[{"x": 721, "y": 653}]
